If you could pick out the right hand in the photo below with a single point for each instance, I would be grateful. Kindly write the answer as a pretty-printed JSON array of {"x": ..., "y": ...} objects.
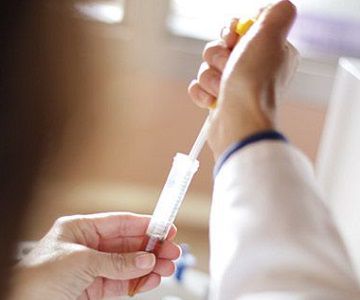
[{"x": 246, "y": 75}]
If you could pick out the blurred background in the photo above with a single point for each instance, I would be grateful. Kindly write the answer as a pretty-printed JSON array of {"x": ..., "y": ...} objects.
[{"x": 127, "y": 111}]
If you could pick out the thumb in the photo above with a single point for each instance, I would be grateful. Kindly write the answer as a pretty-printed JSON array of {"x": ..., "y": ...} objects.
[
  {"x": 277, "y": 20},
  {"x": 121, "y": 266}
]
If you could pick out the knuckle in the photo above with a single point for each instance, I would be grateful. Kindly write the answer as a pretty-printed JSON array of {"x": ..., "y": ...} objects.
[
  {"x": 203, "y": 67},
  {"x": 68, "y": 219},
  {"x": 203, "y": 72},
  {"x": 209, "y": 47},
  {"x": 194, "y": 94},
  {"x": 192, "y": 86},
  {"x": 199, "y": 96},
  {"x": 62, "y": 221},
  {"x": 206, "y": 76}
]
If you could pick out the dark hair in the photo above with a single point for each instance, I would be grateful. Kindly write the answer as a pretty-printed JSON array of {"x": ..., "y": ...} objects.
[{"x": 27, "y": 102}]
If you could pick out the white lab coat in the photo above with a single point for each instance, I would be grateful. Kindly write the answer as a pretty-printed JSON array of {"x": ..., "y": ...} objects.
[{"x": 271, "y": 235}]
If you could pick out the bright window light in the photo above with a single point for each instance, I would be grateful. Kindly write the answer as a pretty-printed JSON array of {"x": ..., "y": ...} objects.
[
  {"x": 204, "y": 18},
  {"x": 323, "y": 26},
  {"x": 102, "y": 11}
]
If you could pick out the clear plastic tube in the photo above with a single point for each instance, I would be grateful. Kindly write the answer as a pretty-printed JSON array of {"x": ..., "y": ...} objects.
[
  {"x": 183, "y": 169},
  {"x": 202, "y": 137},
  {"x": 172, "y": 195}
]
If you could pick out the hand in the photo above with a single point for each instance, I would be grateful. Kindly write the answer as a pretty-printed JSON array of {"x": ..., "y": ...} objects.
[
  {"x": 92, "y": 257},
  {"x": 246, "y": 74}
]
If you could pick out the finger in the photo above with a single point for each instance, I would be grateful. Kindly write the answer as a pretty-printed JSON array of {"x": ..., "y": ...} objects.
[
  {"x": 164, "y": 267},
  {"x": 216, "y": 55},
  {"x": 126, "y": 244},
  {"x": 277, "y": 20},
  {"x": 116, "y": 288},
  {"x": 118, "y": 224},
  {"x": 122, "y": 244},
  {"x": 150, "y": 282},
  {"x": 209, "y": 79},
  {"x": 119, "y": 266},
  {"x": 172, "y": 233},
  {"x": 228, "y": 34},
  {"x": 167, "y": 249},
  {"x": 128, "y": 224},
  {"x": 200, "y": 96},
  {"x": 108, "y": 225},
  {"x": 94, "y": 291}
]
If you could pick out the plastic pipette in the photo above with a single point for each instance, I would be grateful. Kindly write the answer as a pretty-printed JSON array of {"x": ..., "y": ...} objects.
[{"x": 183, "y": 169}]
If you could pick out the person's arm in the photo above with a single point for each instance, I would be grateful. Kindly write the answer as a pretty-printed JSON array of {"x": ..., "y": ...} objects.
[{"x": 271, "y": 236}]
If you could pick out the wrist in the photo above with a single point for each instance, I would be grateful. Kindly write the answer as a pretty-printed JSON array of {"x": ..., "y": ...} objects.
[
  {"x": 228, "y": 129},
  {"x": 240, "y": 116},
  {"x": 223, "y": 143}
]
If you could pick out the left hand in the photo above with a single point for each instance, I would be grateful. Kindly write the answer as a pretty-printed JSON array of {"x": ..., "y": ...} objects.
[{"x": 92, "y": 257}]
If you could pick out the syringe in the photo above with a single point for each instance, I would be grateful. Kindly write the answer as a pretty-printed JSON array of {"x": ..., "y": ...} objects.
[
  {"x": 183, "y": 169},
  {"x": 171, "y": 197}
]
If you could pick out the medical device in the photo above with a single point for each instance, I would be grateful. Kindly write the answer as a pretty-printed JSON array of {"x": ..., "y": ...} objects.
[{"x": 183, "y": 169}]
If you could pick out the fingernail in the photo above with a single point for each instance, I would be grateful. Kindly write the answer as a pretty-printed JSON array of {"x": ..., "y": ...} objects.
[{"x": 145, "y": 261}]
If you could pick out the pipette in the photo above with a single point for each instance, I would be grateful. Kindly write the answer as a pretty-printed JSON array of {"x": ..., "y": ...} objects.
[{"x": 183, "y": 169}]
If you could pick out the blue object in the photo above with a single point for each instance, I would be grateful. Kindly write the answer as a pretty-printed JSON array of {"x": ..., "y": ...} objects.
[
  {"x": 257, "y": 137},
  {"x": 184, "y": 262},
  {"x": 180, "y": 269}
]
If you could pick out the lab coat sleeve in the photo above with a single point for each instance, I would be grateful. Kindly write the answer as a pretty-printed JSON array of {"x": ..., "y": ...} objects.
[{"x": 271, "y": 235}]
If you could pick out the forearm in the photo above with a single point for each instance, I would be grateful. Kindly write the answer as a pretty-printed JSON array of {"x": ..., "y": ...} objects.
[{"x": 271, "y": 235}]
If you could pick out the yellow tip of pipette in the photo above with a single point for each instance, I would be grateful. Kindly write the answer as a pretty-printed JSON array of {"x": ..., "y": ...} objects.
[{"x": 244, "y": 25}]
